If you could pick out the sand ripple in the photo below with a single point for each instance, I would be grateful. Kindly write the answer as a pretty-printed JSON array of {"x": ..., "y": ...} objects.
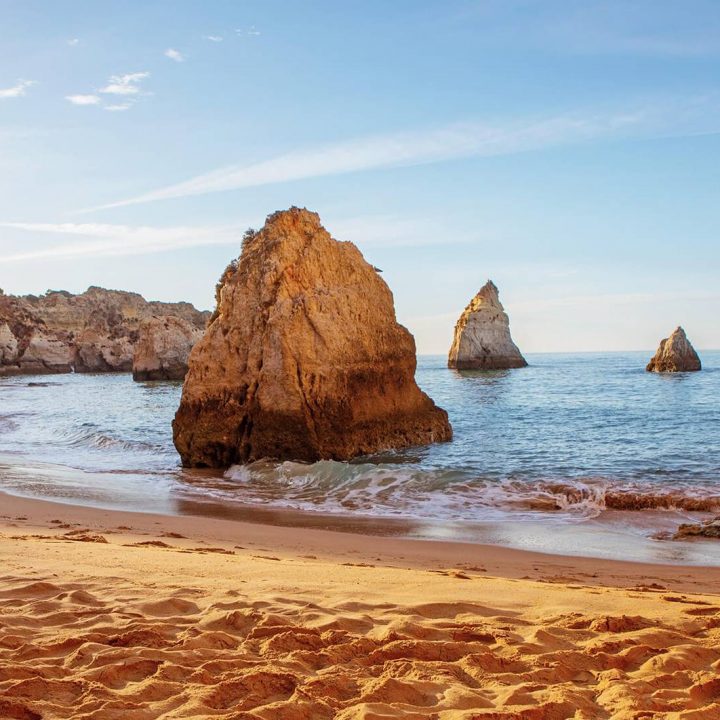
[{"x": 82, "y": 651}]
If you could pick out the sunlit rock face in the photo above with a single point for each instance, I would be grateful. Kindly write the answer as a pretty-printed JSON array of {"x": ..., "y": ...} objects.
[
  {"x": 675, "y": 354},
  {"x": 303, "y": 359},
  {"x": 163, "y": 348},
  {"x": 95, "y": 331},
  {"x": 482, "y": 338}
]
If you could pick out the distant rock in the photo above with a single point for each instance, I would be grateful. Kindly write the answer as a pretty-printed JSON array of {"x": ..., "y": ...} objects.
[
  {"x": 675, "y": 354},
  {"x": 482, "y": 335},
  {"x": 95, "y": 331},
  {"x": 47, "y": 354},
  {"x": 8, "y": 345},
  {"x": 163, "y": 347},
  {"x": 304, "y": 359}
]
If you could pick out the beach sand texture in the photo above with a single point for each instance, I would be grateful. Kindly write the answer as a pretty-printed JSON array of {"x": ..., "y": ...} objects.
[{"x": 136, "y": 617}]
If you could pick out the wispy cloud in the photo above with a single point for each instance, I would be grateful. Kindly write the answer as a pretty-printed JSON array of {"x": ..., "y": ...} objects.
[
  {"x": 213, "y": 38},
  {"x": 461, "y": 140},
  {"x": 73, "y": 42},
  {"x": 175, "y": 55},
  {"x": 252, "y": 31},
  {"x": 128, "y": 84},
  {"x": 120, "y": 107},
  {"x": 100, "y": 240},
  {"x": 83, "y": 99},
  {"x": 17, "y": 90},
  {"x": 117, "y": 240}
]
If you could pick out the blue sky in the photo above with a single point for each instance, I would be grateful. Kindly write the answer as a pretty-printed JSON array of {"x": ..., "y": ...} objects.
[{"x": 567, "y": 150}]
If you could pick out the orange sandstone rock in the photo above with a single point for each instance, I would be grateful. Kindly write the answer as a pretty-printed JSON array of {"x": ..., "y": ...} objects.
[
  {"x": 95, "y": 331},
  {"x": 675, "y": 354},
  {"x": 163, "y": 347},
  {"x": 304, "y": 358}
]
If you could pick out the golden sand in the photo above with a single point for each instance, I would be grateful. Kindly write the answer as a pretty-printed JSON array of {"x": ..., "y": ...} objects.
[{"x": 137, "y": 617}]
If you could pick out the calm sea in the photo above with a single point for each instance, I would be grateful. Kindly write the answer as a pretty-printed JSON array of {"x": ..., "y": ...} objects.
[{"x": 539, "y": 458}]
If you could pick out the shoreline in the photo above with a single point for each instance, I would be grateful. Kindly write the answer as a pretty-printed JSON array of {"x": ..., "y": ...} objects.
[
  {"x": 134, "y": 616},
  {"x": 36, "y": 515},
  {"x": 606, "y": 537}
]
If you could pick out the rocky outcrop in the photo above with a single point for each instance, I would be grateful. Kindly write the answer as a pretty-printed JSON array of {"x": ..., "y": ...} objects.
[
  {"x": 706, "y": 529},
  {"x": 675, "y": 354},
  {"x": 482, "y": 335},
  {"x": 95, "y": 331},
  {"x": 304, "y": 359},
  {"x": 8, "y": 345},
  {"x": 163, "y": 347}
]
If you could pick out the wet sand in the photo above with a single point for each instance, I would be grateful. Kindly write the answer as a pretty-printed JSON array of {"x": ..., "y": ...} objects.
[{"x": 107, "y": 614}]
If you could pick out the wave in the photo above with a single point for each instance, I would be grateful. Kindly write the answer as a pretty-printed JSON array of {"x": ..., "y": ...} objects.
[
  {"x": 388, "y": 490},
  {"x": 90, "y": 436}
]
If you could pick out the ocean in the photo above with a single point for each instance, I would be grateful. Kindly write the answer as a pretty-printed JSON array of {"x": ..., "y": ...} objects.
[{"x": 581, "y": 453}]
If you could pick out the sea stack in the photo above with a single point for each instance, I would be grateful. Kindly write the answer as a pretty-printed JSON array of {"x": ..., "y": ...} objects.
[
  {"x": 482, "y": 335},
  {"x": 303, "y": 358},
  {"x": 675, "y": 354},
  {"x": 163, "y": 347}
]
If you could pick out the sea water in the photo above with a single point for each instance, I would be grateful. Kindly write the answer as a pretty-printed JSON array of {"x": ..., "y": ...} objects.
[{"x": 541, "y": 458}]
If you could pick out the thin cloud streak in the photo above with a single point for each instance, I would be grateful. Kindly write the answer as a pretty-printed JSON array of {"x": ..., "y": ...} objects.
[
  {"x": 118, "y": 108},
  {"x": 115, "y": 240},
  {"x": 118, "y": 240},
  {"x": 462, "y": 140},
  {"x": 83, "y": 99}
]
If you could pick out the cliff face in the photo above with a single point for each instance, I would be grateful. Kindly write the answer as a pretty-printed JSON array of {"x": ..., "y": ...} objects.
[
  {"x": 482, "y": 338},
  {"x": 163, "y": 346},
  {"x": 304, "y": 359},
  {"x": 95, "y": 331},
  {"x": 675, "y": 354}
]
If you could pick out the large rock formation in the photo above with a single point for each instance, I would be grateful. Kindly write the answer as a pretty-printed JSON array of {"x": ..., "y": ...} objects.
[
  {"x": 163, "y": 347},
  {"x": 92, "y": 332},
  {"x": 675, "y": 354},
  {"x": 304, "y": 358},
  {"x": 482, "y": 335}
]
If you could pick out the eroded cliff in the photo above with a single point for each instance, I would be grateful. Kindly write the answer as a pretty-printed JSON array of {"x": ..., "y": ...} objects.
[{"x": 95, "y": 331}]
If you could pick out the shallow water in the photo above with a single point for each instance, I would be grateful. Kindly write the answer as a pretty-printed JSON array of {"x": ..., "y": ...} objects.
[{"x": 541, "y": 457}]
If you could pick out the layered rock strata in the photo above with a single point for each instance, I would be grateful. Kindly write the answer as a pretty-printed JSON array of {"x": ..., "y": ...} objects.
[
  {"x": 304, "y": 359},
  {"x": 95, "y": 331}
]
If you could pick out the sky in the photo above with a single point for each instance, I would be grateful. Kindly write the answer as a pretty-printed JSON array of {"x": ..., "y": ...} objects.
[{"x": 570, "y": 151}]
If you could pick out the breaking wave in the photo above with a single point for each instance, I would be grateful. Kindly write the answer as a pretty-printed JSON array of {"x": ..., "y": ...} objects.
[{"x": 392, "y": 490}]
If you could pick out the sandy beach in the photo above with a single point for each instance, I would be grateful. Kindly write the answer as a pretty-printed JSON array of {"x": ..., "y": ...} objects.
[{"x": 108, "y": 614}]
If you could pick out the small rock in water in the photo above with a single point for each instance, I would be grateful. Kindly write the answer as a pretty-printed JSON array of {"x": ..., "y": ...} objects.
[
  {"x": 675, "y": 354},
  {"x": 708, "y": 529}
]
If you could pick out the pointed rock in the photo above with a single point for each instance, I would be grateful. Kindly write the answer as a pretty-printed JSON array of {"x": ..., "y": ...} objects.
[
  {"x": 482, "y": 335},
  {"x": 675, "y": 354},
  {"x": 303, "y": 359}
]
